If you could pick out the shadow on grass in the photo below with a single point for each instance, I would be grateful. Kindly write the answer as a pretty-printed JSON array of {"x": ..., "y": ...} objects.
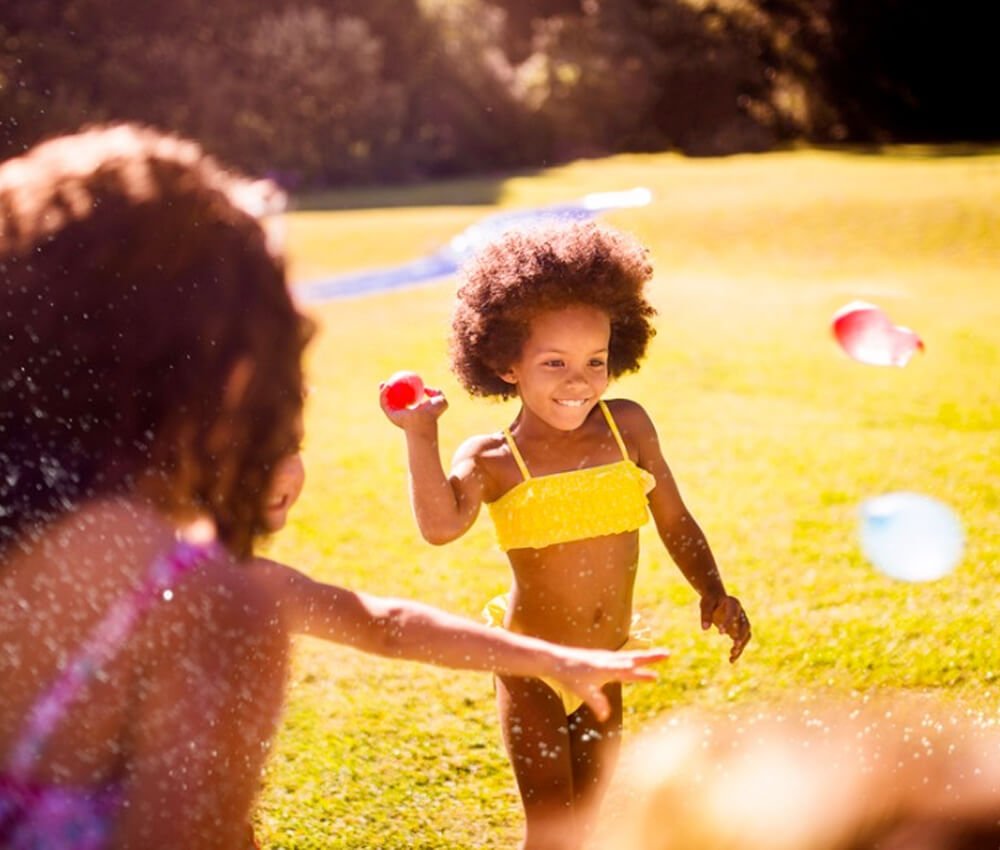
[
  {"x": 948, "y": 150},
  {"x": 483, "y": 190},
  {"x": 487, "y": 190}
]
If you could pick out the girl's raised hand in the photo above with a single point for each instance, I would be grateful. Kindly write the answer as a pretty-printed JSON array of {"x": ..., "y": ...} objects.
[
  {"x": 424, "y": 411},
  {"x": 584, "y": 671},
  {"x": 727, "y": 615}
]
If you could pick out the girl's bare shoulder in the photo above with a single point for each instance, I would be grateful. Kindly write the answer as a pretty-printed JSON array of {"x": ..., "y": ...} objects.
[
  {"x": 490, "y": 455},
  {"x": 483, "y": 447},
  {"x": 218, "y": 602},
  {"x": 631, "y": 418}
]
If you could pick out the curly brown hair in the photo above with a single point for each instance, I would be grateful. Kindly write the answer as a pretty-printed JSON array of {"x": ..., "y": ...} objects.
[
  {"x": 554, "y": 265},
  {"x": 135, "y": 282}
]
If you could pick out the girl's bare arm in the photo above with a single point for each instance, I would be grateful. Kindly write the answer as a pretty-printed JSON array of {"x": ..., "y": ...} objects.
[
  {"x": 444, "y": 505},
  {"x": 401, "y": 628},
  {"x": 682, "y": 536}
]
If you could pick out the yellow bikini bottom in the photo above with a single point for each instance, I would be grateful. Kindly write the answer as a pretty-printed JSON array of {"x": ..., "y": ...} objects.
[{"x": 639, "y": 638}]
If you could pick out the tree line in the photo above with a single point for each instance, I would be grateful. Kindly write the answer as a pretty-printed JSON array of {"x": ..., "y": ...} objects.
[{"x": 333, "y": 92}]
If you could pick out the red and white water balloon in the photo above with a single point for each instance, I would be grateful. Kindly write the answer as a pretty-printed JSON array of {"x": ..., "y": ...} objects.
[
  {"x": 869, "y": 336},
  {"x": 403, "y": 389}
]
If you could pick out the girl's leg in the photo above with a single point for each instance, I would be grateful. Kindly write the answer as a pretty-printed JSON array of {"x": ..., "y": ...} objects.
[
  {"x": 534, "y": 725},
  {"x": 594, "y": 745}
]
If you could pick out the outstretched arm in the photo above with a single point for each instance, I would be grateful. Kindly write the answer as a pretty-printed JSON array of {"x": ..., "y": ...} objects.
[
  {"x": 445, "y": 506},
  {"x": 684, "y": 539},
  {"x": 400, "y": 628}
]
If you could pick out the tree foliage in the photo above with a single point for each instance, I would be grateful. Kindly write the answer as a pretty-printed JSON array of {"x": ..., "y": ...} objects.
[{"x": 322, "y": 93}]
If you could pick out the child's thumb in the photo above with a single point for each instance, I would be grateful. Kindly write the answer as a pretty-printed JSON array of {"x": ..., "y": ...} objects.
[{"x": 706, "y": 616}]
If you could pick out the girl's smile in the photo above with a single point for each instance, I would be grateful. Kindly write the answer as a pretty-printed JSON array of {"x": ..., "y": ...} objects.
[{"x": 563, "y": 368}]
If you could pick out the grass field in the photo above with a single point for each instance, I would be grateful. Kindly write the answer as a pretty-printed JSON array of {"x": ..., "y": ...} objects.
[{"x": 773, "y": 434}]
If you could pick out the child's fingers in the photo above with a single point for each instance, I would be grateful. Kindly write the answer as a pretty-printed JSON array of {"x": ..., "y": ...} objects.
[
  {"x": 728, "y": 616},
  {"x": 647, "y": 656},
  {"x": 631, "y": 666},
  {"x": 636, "y": 664},
  {"x": 730, "y": 619},
  {"x": 598, "y": 702},
  {"x": 717, "y": 610},
  {"x": 739, "y": 644},
  {"x": 737, "y": 623},
  {"x": 738, "y": 628},
  {"x": 637, "y": 674},
  {"x": 435, "y": 405}
]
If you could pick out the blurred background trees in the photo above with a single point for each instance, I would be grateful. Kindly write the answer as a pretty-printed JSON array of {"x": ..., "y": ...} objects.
[{"x": 329, "y": 92}]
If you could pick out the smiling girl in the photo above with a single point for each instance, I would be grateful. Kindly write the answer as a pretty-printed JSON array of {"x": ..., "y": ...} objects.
[{"x": 551, "y": 316}]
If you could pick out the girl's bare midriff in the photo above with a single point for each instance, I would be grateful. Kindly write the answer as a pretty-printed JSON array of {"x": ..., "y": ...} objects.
[{"x": 578, "y": 593}]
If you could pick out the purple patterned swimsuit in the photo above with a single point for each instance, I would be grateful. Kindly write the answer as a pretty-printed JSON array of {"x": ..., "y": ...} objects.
[{"x": 34, "y": 816}]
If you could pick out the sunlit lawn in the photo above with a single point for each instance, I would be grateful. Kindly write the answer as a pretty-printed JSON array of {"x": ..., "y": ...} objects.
[{"x": 774, "y": 435}]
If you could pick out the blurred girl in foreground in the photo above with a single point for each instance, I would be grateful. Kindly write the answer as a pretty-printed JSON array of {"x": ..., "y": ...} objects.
[{"x": 150, "y": 384}]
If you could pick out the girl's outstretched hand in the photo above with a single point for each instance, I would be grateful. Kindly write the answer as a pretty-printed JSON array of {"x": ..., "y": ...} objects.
[
  {"x": 726, "y": 614},
  {"x": 584, "y": 671},
  {"x": 425, "y": 411}
]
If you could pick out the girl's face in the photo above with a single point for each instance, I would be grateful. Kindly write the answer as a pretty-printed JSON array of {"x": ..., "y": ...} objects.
[
  {"x": 563, "y": 368},
  {"x": 286, "y": 486}
]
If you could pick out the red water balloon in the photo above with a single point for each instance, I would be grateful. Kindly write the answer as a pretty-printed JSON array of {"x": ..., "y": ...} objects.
[
  {"x": 403, "y": 390},
  {"x": 869, "y": 336}
]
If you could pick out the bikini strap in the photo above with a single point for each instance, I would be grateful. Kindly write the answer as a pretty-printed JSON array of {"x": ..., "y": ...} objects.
[
  {"x": 514, "y": 450},
  {"x": 614, "y": 428},
  {"x": 101, "y": 646}
]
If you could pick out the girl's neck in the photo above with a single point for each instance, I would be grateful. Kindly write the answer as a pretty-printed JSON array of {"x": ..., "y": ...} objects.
[{"x": 149, "y": 507}]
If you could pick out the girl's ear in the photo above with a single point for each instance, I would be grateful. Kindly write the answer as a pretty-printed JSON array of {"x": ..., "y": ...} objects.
[{"x": 508, "y": 376}]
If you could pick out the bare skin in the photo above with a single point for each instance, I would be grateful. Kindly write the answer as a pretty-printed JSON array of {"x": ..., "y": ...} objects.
[
  {"x": 401, "y": 628},
  {"x": 577, "y": 593},
  {"x": 195, "y": 691},
  {"x": 182, "y": 717}
]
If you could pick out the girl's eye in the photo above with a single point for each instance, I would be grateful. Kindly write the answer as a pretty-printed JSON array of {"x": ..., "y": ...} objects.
[
  {"x": 555, "y": 364},
  {"x": 597, "y": 364}
]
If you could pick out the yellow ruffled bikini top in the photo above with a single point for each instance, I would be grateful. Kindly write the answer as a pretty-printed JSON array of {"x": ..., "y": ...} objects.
[{"x": 572, "y": 505}]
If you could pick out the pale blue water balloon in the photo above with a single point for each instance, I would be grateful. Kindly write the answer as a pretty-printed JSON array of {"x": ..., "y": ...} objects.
[{"x": 911, "y": 537}]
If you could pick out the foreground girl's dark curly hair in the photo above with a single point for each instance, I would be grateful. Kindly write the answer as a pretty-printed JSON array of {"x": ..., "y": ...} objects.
[
  {"x": 548, "y": 267},
  {"x": 135, "y": 282}
]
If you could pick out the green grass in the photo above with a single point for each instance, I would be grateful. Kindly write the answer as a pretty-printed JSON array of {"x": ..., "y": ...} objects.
[{"x": 774, "y": 435}]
